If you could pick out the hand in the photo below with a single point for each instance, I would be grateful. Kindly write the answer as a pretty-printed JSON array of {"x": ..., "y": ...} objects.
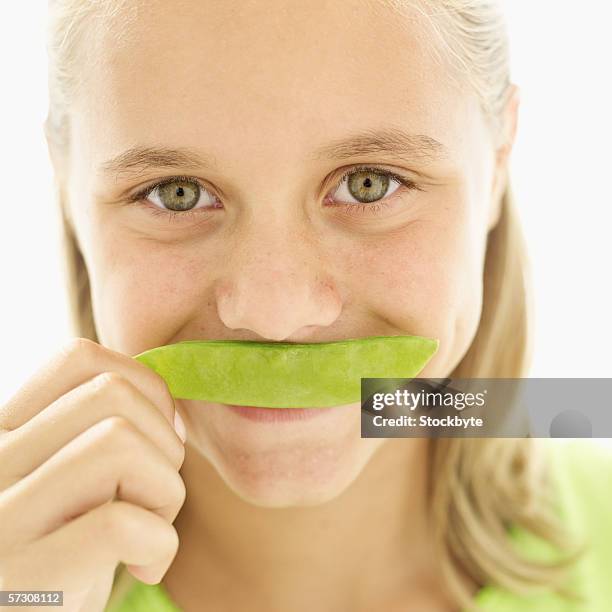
[{"x": 89, "y": 462}]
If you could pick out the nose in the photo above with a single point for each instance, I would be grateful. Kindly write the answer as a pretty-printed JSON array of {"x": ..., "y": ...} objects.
[{"x": 275, "y": 285}]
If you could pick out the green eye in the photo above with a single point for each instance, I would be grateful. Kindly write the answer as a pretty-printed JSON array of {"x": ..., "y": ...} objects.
[
  {"x": 177, "y": 195},
  {"x": 285, "y": 375},
  {"x": 367, "y": 186}
]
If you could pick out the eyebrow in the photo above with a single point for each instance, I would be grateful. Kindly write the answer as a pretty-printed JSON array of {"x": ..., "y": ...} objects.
[
  {"x": 140, "y": 159},
  {"x": 392, "y": 142},
  {"x": 389, "y": 141}
]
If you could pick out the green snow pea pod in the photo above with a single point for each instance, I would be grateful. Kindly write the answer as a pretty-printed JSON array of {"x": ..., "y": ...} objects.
[{"x": 285, "y": 374}]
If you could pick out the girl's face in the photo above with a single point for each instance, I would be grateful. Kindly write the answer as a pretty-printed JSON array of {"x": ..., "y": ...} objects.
[{"x": 260, "y": 109}]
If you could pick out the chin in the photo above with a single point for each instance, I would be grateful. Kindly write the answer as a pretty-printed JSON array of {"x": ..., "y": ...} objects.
[
  {"x": 305, "y": 462},
  {"x": 282, "y": 476}
]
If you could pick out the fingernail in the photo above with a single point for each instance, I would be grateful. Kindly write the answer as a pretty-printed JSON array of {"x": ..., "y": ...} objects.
[{"x": 179, "y": 426}]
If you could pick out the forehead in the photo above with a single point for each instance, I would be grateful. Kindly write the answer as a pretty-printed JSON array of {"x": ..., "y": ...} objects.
[{"x": 286, "y": 74}]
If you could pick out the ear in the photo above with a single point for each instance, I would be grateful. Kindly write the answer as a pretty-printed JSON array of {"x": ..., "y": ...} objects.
[{"x": 504, "y": 145}]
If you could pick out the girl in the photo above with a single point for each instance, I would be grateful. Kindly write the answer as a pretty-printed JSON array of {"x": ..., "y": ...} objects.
[{"x": 297, "y": 172}]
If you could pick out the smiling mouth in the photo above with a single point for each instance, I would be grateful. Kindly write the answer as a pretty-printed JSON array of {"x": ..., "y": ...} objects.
[{"x": 276, "y": 415}]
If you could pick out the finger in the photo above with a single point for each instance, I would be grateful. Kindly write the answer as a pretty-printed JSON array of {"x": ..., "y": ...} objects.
[
  {"x": 77, "y": 362},
  {"x": 108, "y": 394},
  {"x": 112, "y": 459},
  {"x": 77, "y": 554}
]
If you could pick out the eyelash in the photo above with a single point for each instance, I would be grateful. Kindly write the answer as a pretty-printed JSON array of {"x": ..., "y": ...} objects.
[{"x": 348, "y": 208}]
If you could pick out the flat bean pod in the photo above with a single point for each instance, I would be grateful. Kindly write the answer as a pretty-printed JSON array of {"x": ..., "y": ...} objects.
[{"x": 284, "y": 374}]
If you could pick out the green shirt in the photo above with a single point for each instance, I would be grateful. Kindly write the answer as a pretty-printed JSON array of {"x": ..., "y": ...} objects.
[{"x": 583, "y": 474}]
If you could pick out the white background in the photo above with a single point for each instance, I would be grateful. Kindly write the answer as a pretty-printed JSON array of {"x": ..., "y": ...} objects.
[{"x": 561, "y": 172}]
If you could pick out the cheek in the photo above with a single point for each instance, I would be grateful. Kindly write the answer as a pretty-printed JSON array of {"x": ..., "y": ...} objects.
[
  {"x": 427, "y": 280},
  {"x": 142, "y": 290}
]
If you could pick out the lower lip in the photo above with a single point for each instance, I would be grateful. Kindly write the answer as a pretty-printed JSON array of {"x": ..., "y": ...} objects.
[{"x": 276, "y": 414}]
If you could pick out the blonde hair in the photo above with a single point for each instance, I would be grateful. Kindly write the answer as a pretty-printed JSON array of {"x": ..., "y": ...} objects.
[{"x": 479, "y": 488}]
